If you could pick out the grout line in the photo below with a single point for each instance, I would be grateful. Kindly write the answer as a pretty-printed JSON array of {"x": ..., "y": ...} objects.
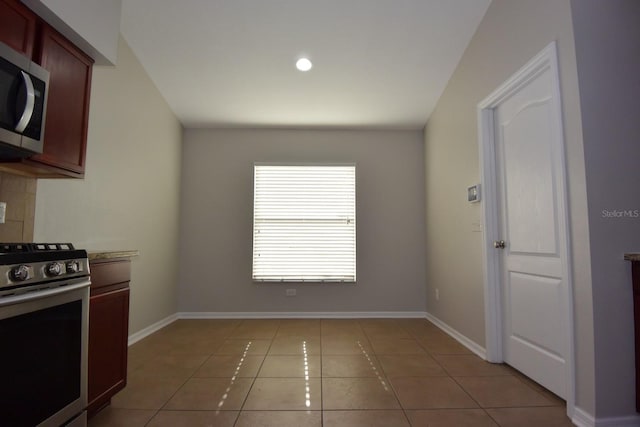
[
  {"x": 226, "y": 338},
  {"x": 405, "y": 410},
  {"x": 386, "y": 377},
  {"x": 152, "y": 417},
  {"x": 244, "y": 401},
  {"x": 465, "y": 391}
]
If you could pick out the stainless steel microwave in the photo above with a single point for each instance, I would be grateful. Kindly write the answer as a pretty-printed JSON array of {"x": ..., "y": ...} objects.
[{"x": 24, "y": 86}]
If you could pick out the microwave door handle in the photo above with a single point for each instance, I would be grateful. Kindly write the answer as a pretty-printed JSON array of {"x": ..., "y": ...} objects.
[{"x": 29, "y": 105}]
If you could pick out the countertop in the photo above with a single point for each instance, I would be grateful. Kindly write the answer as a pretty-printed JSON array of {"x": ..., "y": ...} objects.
[
  {"x": 95, "y": 255},
  {"x": 632, "y": 257}
]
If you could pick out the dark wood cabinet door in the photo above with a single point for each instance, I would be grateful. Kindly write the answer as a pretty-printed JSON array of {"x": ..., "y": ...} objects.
[
  {"x": 108, "y": 335},
  {"x": 17, "y": 26},
  {"x": 635, "y": 277},
  {"x": 65, "y": 138}
]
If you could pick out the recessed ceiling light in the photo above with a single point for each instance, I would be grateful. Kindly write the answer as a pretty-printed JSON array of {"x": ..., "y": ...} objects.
[{"x": 303, "y": 64}]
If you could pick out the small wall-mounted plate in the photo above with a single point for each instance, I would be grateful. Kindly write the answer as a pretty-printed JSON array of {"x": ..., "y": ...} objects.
[{"x": 473, "y": 193}]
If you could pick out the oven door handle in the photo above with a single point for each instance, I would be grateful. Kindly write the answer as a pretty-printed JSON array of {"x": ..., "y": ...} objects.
[{"x": 48, "y": 292}]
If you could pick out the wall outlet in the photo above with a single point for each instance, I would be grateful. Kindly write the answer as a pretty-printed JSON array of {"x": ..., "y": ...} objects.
[
  {"x": 3, "y": 211},
  {"x": 291, "y": 292},
  {"x": 437, "y": 294}
]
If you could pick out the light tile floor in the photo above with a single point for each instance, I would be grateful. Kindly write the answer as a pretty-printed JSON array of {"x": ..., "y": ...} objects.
[{"x": 313, "y": 373}]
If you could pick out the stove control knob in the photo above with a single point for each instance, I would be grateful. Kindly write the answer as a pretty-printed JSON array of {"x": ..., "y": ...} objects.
[
  {"x": 20, "y": 273},
  {"x": 73, "y": 267},
  {"x": 54, "y": 269}
]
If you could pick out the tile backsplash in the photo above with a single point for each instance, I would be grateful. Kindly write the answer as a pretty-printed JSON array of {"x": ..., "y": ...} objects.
[{"x": 20, "y": 195}]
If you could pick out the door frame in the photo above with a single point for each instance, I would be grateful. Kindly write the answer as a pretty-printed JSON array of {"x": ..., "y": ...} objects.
[{"x": 546, "y": 59}]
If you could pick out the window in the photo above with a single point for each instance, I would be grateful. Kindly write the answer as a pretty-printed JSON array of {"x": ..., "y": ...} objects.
[{"x": 304, "y": 226}]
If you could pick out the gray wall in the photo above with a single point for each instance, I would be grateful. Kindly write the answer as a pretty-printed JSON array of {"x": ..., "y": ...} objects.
[
  {"x": 511, "y": 33},
  {"x": 608, "y": 53},
  {"x": 129, "y": 198},
  {"x": 217, "y": 210}
]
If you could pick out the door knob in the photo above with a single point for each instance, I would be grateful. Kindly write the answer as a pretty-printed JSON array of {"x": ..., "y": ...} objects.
[{"x": 499, "y": 244}]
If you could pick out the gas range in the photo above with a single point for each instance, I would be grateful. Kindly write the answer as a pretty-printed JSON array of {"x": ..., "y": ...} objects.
[
  {"x": 27, "y": 265},
  {"x": 44, "y": 330}
]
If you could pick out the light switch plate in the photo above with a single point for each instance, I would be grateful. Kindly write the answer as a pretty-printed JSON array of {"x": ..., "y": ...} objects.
[{"x": 3, "y": 211}]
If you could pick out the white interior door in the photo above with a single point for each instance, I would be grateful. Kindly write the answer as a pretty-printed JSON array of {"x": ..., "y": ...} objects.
[{"x": 530, "y": 198}]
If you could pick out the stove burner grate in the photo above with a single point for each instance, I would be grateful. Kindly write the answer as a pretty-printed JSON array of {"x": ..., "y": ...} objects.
[{"x": 10, "y": 248}]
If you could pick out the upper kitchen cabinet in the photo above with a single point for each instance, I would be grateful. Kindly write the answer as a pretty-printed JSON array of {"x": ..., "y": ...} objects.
[
  {"x": 65, "y": 135},
  {"x": 17, "y": 26}
]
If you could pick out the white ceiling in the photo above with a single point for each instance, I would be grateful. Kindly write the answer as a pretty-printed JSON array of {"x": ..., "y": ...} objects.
[{"x": 230, "y": 63}]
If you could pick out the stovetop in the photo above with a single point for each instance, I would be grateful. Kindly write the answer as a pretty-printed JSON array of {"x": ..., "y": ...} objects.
[
  {"x": 34, "y": 247},
  {"x": 16, "y": 253},
  {"x": 24, "y": 264}
]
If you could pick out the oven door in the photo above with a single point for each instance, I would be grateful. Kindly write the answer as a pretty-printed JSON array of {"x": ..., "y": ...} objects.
[{"x": 44, "y": 336}]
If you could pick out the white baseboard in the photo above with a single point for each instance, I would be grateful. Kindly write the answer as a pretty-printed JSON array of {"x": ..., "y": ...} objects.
[
  {"x": 302, "y": 315},
  {"x": 630, "y": 421},
  {"x": 471, "y": 345},
  {"x": 582, "y": 419},
  {"x": 133, "y": 338}
]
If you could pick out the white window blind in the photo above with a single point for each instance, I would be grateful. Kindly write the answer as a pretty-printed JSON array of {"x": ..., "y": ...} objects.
[{"x": 304, "y": 224}]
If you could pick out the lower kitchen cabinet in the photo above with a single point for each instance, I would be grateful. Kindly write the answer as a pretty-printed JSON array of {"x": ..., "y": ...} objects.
[{"x": 108, "y": 330}]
